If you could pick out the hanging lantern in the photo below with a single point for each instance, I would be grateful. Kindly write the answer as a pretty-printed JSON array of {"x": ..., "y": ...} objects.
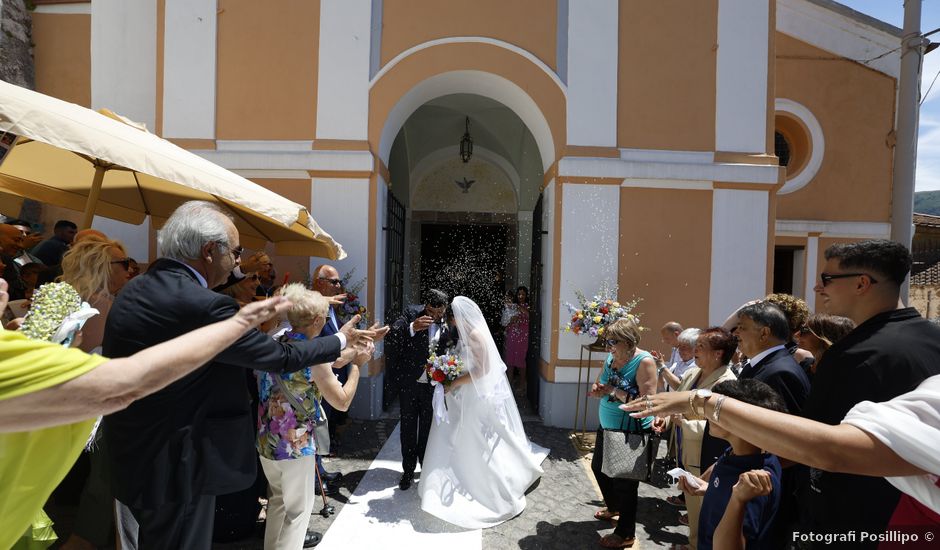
[{"x": 466, "y": 144}]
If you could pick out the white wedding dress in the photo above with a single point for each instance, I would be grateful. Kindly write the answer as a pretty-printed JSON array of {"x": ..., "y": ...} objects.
[{"x": 478, "y": 465}]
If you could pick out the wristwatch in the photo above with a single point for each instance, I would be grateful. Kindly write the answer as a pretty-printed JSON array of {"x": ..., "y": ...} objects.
[{"x": 704, "y": 395}]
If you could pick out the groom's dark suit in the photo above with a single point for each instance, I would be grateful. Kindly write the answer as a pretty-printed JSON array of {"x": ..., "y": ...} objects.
[
  {"x": 410, "y": 356},
  {"x": 171, "y": 452}
]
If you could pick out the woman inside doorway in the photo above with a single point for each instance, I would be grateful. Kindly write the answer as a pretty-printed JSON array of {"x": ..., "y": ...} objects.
[{"x": 517, "y": 340}]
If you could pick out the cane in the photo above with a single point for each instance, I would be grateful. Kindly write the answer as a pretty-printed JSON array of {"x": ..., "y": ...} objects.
[{"x": 327, "y": 509}]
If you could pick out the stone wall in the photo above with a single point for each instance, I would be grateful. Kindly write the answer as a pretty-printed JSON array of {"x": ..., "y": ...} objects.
[
  {"x": 926, "y": 299},
  {"x": 16, "y": 46}
]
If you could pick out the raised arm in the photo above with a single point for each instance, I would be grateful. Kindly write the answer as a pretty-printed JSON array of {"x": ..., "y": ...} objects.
[
  {"x": 117, "y": 383},
  {"x": 842, "y": 448}
]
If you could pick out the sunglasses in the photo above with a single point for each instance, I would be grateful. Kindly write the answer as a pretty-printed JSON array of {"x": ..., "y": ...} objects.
[
  {"x": 236, "y": 252},
  {"x": 334, "y": 282},
  {"x": 126, "y": 263},
  {"x": 611, "y": 342},
  {"x": 827, "y": 278}
]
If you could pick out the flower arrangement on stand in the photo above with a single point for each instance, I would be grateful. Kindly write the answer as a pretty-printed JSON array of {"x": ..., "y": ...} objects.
[
  {"x": 592, "y": 315},
  {"x": 352, "y": 306}
]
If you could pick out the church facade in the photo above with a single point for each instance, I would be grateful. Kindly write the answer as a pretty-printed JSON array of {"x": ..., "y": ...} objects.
[{"x": 693, "y": 154}]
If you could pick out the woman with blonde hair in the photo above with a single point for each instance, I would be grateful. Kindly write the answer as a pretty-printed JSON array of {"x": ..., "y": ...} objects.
[
  {"x": 97, "y": 269},
  {"x": 289, "y": 410}
]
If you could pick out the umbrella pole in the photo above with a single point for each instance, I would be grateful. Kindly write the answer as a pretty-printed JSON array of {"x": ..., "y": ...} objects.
[{"x": 93, "y": 195}]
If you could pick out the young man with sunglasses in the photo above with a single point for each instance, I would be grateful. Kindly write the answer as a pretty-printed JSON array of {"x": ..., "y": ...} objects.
[{"x": 890, "y": 352}]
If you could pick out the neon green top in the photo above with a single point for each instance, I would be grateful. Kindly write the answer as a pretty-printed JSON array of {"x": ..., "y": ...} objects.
[{"x": 33, "y": 463}]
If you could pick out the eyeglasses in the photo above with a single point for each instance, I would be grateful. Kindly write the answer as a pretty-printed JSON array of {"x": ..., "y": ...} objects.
[
  {"x": 126, "y": 262},
  {"x": 334, "y": 282},
  {"x": 236, "y": 252},
  {"x": 611, "y": 342},
  {"x": 827, "y": 278}
]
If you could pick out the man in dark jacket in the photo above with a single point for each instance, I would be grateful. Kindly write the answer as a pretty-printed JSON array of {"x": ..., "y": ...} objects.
[
  {"x": 172, "y": 452},
  {"x": 412, "y": 334}
]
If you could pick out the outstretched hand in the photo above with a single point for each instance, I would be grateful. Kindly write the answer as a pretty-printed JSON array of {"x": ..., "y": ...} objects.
[
  {"x": 337, "y": 300},
  {"x": 379, "y": 331},
  {"x": 256, "y": 313},
  {"x": 659, "y": 404},
  {"x": 354, "y": 336}
]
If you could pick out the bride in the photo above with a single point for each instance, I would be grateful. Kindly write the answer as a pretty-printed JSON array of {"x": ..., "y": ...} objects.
[{"x": 478, "y": 465}]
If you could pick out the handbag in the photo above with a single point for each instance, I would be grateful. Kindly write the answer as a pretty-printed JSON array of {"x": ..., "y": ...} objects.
[{"x": 628, "y": 454}]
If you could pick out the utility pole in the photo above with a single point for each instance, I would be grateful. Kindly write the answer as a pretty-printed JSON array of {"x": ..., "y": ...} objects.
[{"x": 905, "y": 150}]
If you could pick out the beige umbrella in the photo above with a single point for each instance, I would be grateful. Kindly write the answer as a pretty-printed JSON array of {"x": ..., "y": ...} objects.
[{"x": 104, "y": 164}]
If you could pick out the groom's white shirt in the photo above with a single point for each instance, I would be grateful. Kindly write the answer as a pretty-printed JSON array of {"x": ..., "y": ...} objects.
[{"x": 434, "y": 335}]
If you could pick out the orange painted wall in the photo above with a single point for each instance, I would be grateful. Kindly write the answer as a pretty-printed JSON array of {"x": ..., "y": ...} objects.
[
  {"x": 666, "y": 78},
  {"x": 482, "y": 57},
  {"x": 297, "y": 190},
  {"x": 267, "y": 69},
  {"x": 855, "y": 107},
  {"x": 665, "y": 256},
  {"x": 63, "y": 56},
  {"x": 529, "y": 24}
]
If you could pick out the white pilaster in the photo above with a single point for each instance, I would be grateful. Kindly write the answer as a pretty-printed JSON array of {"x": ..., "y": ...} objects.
[
  {"x": 812, "y": 265},
  {"x": 343, "y": 76},
  {"x": 135, "y": 238},
  {"x": 739, "y": 250},
  {"x": 342, "y": 206},
  {"x": 590, "y": 237},
  {"x": 741, "y": 99},
  {"x": 548, "y": 269},
  {"x": 189, "y": 68},
  {"x": 592, "y": 72},
  {"x": 124, "y": 58}
]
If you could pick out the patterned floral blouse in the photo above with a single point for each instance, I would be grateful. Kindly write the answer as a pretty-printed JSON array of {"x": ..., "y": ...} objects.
[{"x": 284, "y": 433}]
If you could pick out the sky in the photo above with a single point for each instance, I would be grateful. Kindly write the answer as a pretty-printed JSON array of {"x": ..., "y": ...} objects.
[{"x": 928, "y": 143}]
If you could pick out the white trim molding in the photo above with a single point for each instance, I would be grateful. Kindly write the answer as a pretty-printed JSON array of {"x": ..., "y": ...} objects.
[
  {"x": 841, "y": 34},
  {"x": 284, "y": 155},
  {"x": 739, "y": 230},
  {"x": 274, "y": 174},
  {"x": 343, "y": 81},
  {"x": 471, "y": 40},
  {"x": 817, "y": 145},
  {"x": 812, "y": 262},
  {"x": 662, "y": 169},
  {"x": 848, "y": 230},
  {"x": 189, "y": 57},
  {"x": 690, "y": 185},
  {"x": 78, "y": 8}
]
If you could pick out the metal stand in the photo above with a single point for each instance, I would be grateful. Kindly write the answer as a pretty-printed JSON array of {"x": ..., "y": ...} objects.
[{"x": 580, "y": 438}]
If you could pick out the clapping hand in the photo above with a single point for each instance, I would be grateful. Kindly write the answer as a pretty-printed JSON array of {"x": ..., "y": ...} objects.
[
  {"x": 599, "y": 390},
  {"x": 30, "y": 241},
  {"x": 752, "y": 484},
  {"x": 659, "y": 424},
  {"x": 256, "y": 262},
  {"x": 4, "y": 296},
  {"x": 379, "y": 331}
]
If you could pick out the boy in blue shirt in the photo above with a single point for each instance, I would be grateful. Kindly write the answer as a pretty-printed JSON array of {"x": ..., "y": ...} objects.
[{"x": 743, "y": 488}]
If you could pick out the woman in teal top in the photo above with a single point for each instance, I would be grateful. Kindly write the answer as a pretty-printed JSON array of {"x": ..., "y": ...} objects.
[{"x": 629, "y": 372}]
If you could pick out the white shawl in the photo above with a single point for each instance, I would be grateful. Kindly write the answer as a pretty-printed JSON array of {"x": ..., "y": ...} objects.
[{"x": 910, "y": 426}]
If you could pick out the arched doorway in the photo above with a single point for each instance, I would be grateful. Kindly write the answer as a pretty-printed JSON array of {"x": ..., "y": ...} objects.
[{"x": 467, "y": 226}]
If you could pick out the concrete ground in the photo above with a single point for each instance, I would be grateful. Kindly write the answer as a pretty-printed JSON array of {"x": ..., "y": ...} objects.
[{"x": 560, "y": 507}]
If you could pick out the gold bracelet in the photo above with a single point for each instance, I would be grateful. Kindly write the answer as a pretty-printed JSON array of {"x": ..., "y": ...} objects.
[{"x": 691, "y": 404}]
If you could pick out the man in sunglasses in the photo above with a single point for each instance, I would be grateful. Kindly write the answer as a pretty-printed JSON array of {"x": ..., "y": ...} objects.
[{"x": 890, "y": 352}]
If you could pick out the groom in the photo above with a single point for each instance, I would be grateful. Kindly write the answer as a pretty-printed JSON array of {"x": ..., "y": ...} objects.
[{"x": 412, "y": 334}]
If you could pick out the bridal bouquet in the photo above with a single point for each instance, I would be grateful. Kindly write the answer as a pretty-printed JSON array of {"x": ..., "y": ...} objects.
[
  {"x": 593, "y": 315},
  {"x": 442, "y": 370}
]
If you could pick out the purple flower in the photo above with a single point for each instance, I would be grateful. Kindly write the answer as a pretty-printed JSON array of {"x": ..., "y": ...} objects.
[
  {"x": 281, "y": 425},
  {"x": 283, "y": 450}
]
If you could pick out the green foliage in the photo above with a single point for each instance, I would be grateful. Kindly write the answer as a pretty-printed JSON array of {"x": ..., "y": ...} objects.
[{"x": 927, "y": 202}]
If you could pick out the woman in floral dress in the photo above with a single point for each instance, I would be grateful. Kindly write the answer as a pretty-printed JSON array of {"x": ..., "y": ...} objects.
[{"x": 289, "y": 410}]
